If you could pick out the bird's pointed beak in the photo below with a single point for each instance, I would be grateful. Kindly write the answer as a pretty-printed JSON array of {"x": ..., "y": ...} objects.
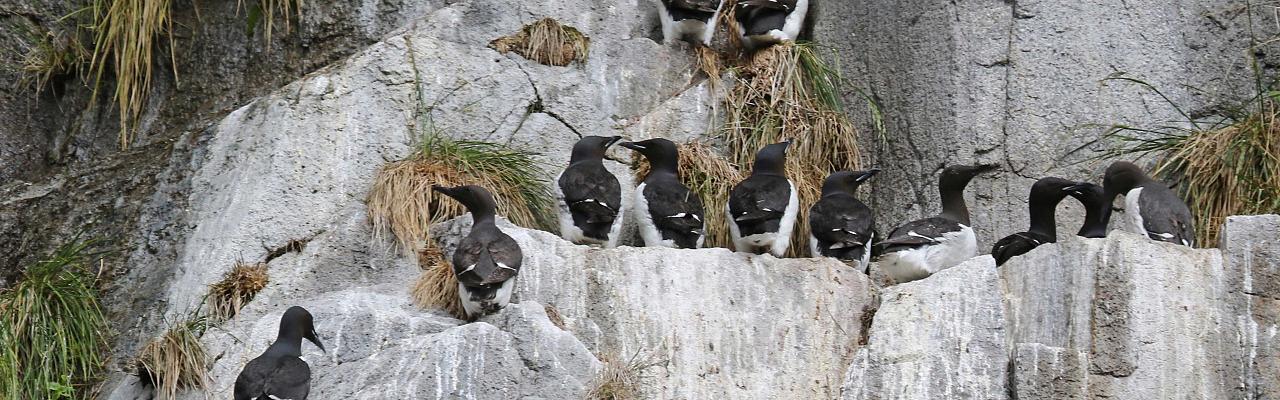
[
  {"x": 448, "y": 191},
  {"x": 987, "y": 168},
  {"x": 316, "y": 340},
  {"x": 1076, "y": 188},
  {"x": 632, "y": 145},
  {"x": 867, "y": 175},
  {"x": 612, "y": 140}
]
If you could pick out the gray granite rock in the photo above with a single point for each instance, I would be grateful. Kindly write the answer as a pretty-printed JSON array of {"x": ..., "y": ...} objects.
[{"x": 941, "y": 337}]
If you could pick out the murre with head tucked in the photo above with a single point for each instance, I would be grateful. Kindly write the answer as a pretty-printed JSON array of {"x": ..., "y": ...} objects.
[
  {"x": 762, "y": 209},
  {"x": 1042, "y": 203},
  {"x": 691, "y": 20},
  {"x": 280, "y": 373},
  {"x": 668, "y": 213},
  {"x": 487, "y": 261},
  {"x": 1097, "y": 209},
  {"x": 840, "y": 225},
  {"x": 1150, "y": 207},
  {"x": 762, "y": 23},
  {"x": 923, "y": 247},
  {"x": 589, "y": 196}
]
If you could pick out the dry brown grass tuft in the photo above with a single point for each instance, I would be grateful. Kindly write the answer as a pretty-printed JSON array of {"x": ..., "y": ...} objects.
[
  {"x": 787, "y": 92},
  {"x": 57, "y": 53},
  {"x": 709, "y": 174},
  {"x": 709, "y": 62},
  {"x": 128, "y": 31},
  {"x": 176, "y": 360},
  {"x": 401, "y": 201},
  {"x": 437, "y": 287},
  {"x": 266, "y": 12},
  {"x": 1231, "y": 170},
  {"x": 236, "y": 289},
  {"x": 620, "y": 379},
  {"x": 547, "y": 42}
]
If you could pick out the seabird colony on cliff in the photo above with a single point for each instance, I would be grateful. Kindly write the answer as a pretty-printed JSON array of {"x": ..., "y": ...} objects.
[{"x": 761, "y": 211}]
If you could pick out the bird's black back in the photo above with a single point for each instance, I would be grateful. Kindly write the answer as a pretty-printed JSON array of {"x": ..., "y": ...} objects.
[
  {"x": 842, "y": 219},
  {"x": 931, "y": 228},
  {"x": 282, "y": 376},
  {"x": 667, "y": 198},
  {"x": 591, "y": 181},
  {"x": 758, "y": 17},
  {"x": 757, "y": 204},
  {"x": 701, "y": 10},
  {"x": 1163, "y": 212},
  {"x": 485, "y": 249},
  {"x": 1017, "y": 244}
]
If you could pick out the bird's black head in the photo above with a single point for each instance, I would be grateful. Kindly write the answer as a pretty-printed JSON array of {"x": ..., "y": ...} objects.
[
  {"x": 956, "y": 177},
  {"x": 296, "y": 324},
  {"x": 1121, "y": 177},
  {"x": 846, "y": 181},
  {"x": 772, "y": 159},
  {"x": 477, "y": 199},
  {"x": 1051, "y": 189},
  {"x": 662, "y": 153},
  {"x": 1097, "y": 208},
  {"x": 592, "y": 148}
]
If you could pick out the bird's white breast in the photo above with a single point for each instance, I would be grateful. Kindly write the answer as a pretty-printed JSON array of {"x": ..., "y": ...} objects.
[{"x": 952, "y": 249}]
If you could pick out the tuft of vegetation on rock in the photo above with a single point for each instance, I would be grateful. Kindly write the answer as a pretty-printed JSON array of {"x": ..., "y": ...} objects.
[
  {"x": 437, "y": 286},
  {"x": 52, "y": 330},
  {"x": 236, "y": 289},
  {"x": 176, "y": 360},
  {"x": 620, "y": 379},
  {"x": 546, "y": 41},
  {"x": 401, "y": 201}
]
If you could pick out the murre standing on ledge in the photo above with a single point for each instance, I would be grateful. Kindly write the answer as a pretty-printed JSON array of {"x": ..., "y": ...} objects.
[
  {"x": 1097, "y": 209},
  {"x": 589, "y": 196},
  {"x": 1150, "y": 207},
  {"x": 668, "y": 213},
  {"x": 923, "y": 247},
  {"x": 1046, "y": 193},
  {"x": 762, "y": 209},
  {"x": 762, "y": 23},
  {"x": 840, "y": 225},
  {"x": 280, "y": 373},
  {"x": 692, "y": 20},
  {"x": 486, "y": 261}
]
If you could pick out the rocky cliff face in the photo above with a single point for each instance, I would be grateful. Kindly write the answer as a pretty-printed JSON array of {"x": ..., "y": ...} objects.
[{"x": 279, "y": 175}]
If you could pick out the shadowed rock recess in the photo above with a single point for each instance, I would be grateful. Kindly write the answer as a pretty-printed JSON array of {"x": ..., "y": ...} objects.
[{"x": 282, "y": 179}]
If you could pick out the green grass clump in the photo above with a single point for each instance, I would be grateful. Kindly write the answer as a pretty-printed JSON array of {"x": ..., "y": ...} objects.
[
  {"x": 402, "y": 202},
  {"x": 1229, "y": 167},
  {"x": 52, "y": 330}
]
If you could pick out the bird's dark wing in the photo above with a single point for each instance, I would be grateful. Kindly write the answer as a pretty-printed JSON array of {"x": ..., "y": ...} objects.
[
  {"x": 1015, "y": 245},
  {"x": 592, "y": 193},
  {"x": 696, "y": 5},
  {"x": 841, "y": 220},
  {"x": 1165, "y": 217},
  {"x": 674, "y": 207},
  {"x": 483, "y": 260},
  {"x": 283, "y": 377},
  {"x": 917, "y": 233},
  {"x": 759, "y": 198}
]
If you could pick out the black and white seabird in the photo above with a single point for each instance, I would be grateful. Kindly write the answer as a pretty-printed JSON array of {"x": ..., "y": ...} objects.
[
  {"x": 692, "y": 20},
  {"x": 840, "y": 225},
  {"x": 762, "y": 23},
  {"x": 1046, "y": 193},
  {"x": 487, "y": 261},
  {"x": 668, "y": 213},
  {"x": 1150, "y": 207},
  {"x": 590, "y": 197},
  {"x": 923, "y": 247},
  {"x": 280, "y": 373},
  {"x": 762, "y": 209},
  {"x": 1097, "y": 206}
]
